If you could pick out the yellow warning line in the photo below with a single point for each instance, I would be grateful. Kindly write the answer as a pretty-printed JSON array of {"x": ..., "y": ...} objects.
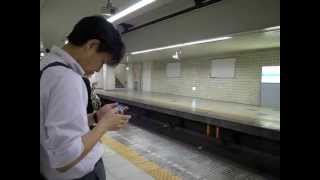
[{"x": 147, "y": 166}]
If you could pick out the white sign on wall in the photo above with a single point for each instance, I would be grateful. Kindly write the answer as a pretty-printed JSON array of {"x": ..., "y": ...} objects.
[
  {"x": 270, "y": 74},
  {"x": 223, "y": 68},
  {"x": 173, "y": 70}
]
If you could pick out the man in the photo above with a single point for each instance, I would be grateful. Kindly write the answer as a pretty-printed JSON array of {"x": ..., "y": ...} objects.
[{"x": 68, "y": 148}]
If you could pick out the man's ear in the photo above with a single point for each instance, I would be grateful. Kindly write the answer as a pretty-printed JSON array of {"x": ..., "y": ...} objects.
[{"x": 92, "y": 43}]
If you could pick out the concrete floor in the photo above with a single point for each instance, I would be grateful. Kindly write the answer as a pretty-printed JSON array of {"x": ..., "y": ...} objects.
[{"x": 188, "y": 162}]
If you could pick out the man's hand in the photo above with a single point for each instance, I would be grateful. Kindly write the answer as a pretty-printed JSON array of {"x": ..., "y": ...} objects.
[
  {"x": 107, "y": 108},
  {"x": 104, "y": 109},
  {"x": 112, "y": 120}
]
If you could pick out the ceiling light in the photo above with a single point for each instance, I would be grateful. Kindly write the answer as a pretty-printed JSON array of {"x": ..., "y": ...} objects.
[
  {"x": 66, "y": 42},
  {"x": 108, "y": 9},
  {"x": 181, "y": 45},
  {"x": 175, "y": 56},
  {"x": 106, "y": 14},
  {"x": 194, "y": 88},
  {"x": 127, "y": 68},
  {"x": 41, "y": 54},
  {"x": 272, "y": 28},
  {"x": 130, "y": 9}
]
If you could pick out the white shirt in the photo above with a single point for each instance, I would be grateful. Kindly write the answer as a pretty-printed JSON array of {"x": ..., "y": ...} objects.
[{"x": 63, "y": 118}]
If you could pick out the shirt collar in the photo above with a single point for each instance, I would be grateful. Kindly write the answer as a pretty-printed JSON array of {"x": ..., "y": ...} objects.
[{"x": 68, "y": 59}]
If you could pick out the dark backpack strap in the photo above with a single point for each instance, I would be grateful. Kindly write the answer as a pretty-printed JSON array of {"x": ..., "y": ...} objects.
[
  {"x": 89, "y": 107},
  {"x": 53, "y": 64}
]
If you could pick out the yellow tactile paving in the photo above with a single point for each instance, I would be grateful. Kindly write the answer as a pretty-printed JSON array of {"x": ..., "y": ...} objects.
[{"x": 147, "y": 166}]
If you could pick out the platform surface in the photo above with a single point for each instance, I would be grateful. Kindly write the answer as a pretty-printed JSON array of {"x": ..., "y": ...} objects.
[{"x": 250, "y": 117}]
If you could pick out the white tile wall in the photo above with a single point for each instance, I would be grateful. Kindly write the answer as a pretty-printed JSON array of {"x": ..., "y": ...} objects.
[{"x": 244, "y": 88}]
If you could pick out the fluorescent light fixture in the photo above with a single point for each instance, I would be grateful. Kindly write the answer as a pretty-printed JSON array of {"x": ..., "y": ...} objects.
[
  {"x": 181, "y": 45},
  {"x": 129, "y": 10},
  {"x": 272, "y": 28}
]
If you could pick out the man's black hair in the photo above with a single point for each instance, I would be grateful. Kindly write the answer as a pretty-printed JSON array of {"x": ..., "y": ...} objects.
[{"x": 97, "y": 27}]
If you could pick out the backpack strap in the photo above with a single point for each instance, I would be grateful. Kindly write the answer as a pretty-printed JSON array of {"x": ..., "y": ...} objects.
[{"x": 53, "y": 64}]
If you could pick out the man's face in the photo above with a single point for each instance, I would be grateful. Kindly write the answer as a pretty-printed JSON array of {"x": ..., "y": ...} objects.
[
  {"x": 98, "y": 59},
  {"x": 94, "y": 59}
]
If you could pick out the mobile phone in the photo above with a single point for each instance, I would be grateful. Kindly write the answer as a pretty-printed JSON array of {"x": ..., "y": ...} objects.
[{"x": 121, "y": 108}]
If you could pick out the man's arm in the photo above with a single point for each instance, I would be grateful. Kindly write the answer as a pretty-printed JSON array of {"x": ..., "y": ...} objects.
[
  {"x": 88, "y": 140},
  {"x": 111, "y": 120}
]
